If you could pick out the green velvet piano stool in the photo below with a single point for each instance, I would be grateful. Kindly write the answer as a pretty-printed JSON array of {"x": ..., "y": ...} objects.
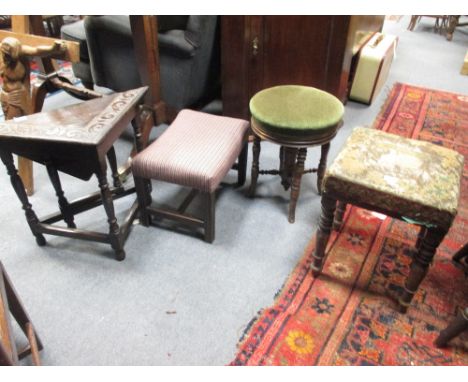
[{"x": 294, "y": 117}]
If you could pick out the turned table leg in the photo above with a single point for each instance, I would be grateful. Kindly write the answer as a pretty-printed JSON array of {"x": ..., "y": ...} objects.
[
  {"x": 16, "y": 182},
  {"x": 323, "y": 233},
  {"x": 296, "y": 183},
  {"x": 114, "y": 230},
  {"x": 255, "y": 165},
  {"x": 420, "y": 265},
  {"x": 322, "y": 166},
  {"x": 112, "y": 158},
  {"x": 63, "y": 202}
]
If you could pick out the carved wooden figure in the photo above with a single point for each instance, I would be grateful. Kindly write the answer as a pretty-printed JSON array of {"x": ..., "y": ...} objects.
[{"x": 15, "y": 94}]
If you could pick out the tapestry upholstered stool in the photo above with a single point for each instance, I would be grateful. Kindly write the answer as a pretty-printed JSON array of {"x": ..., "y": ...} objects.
[
  {"x": 418, "y": 182},
  {"x": 197, "y": 150},
  {"x": 294, "y": 117}
]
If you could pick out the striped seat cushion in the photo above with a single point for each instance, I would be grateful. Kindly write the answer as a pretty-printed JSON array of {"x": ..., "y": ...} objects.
[{"x": 197, "y": 150}]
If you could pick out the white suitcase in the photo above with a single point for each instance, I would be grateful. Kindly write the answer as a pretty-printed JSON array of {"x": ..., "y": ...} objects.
[{"x": 373, "y": 66}]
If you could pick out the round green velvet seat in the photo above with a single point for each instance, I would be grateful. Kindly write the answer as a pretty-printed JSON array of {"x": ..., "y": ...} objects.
[
  {"x": 295, "y": 114},
  {"x": 295, "y": 117}
]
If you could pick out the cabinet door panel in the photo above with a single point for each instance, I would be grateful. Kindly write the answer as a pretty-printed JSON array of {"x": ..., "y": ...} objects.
[{"x": 295, "y": 50}]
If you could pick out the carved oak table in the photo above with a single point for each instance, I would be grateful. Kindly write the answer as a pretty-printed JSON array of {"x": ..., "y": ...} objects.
[{"x": 76, "y": 140}]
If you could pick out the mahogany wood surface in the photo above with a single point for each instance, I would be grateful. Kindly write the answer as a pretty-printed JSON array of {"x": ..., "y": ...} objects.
[{"x": 263, "y": 51}]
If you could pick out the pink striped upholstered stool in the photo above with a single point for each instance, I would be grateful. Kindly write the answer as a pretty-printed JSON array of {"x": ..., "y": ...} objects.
[{"x": 197, "y": 150}]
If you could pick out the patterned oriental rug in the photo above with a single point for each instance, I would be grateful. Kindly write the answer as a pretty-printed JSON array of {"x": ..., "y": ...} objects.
[{"x": 347, "y": 315}]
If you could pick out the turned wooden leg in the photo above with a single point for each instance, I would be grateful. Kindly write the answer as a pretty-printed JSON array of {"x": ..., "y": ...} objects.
[
  {"x": 296, "y": 183},
  {"x": 255, "y": 165},
  {"x": 143, "y": 190},
  {"x": 112, "y": 158},
  {"x": 456, "y": 327},
  {"x": 339, "y": 213},
  {"x": 210, "y": 199},
  {"x": 114, "y": 231},
  {"x": 322, "y": 166},
  {"x": 62, "y": 200},
  {"x": 421, "y": 234},
  {"x": 420, "y": 265},
  {"x": 16, "y": 182},
  {"x": 242, "y": 165},
  {"x": 323, "y": 233}
]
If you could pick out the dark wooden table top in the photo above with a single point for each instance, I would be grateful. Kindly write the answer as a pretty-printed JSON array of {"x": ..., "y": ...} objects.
[{"x": 73, "y": 138}]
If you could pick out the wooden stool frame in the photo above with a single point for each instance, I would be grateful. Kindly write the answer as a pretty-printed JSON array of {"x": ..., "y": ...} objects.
[
  {"x": 426, "y": 245},
  {"x": 293, "y": 152},
  {"x": 207, "y": 222}
]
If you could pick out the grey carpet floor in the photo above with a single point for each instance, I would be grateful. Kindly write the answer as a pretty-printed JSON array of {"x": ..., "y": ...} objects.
[{"x": 176, "y": 300}]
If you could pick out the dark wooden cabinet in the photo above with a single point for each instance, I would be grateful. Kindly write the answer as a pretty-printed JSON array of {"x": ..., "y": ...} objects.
[{"x": 263, "y": 51}]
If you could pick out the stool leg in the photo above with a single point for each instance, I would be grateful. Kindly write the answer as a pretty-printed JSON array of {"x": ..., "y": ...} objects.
[
  {"x": 421, "y": 234},
  {"x": 296, "y": 183},
  {"x": 255, "y": 165},
  {"x": 323, "y": 233},
  {"x": 456, "y": 327},
  {"x": 17, "y": 183},
  {"x": 114, "y": 230},
  {"x": 420, "y": 265},
  {"x": 143, "y": 190},
  {"x": 210, "y": 198},
  {"x": 242, "y": 165},
  {"x": 322, "y": 166},
  {"x": 339, "y": 213}
]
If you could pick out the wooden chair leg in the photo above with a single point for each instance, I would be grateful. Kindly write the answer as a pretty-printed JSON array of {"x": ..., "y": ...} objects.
[
  {"x": 456, "y": 327},
  {"x": 210, "y": 198},
  {"x": 143, "y": 191},
  {"x": 420, "y": 265},
  {"x": 323, "y": 233},
  {"x": 242, "y": 165}
]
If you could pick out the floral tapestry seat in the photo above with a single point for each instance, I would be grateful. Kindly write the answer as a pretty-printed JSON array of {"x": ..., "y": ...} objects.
[{"x": 417, "y": 180}]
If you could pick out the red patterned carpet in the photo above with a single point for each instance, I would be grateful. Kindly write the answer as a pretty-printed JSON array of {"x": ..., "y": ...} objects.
[{"x": 346, "y": 316}]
